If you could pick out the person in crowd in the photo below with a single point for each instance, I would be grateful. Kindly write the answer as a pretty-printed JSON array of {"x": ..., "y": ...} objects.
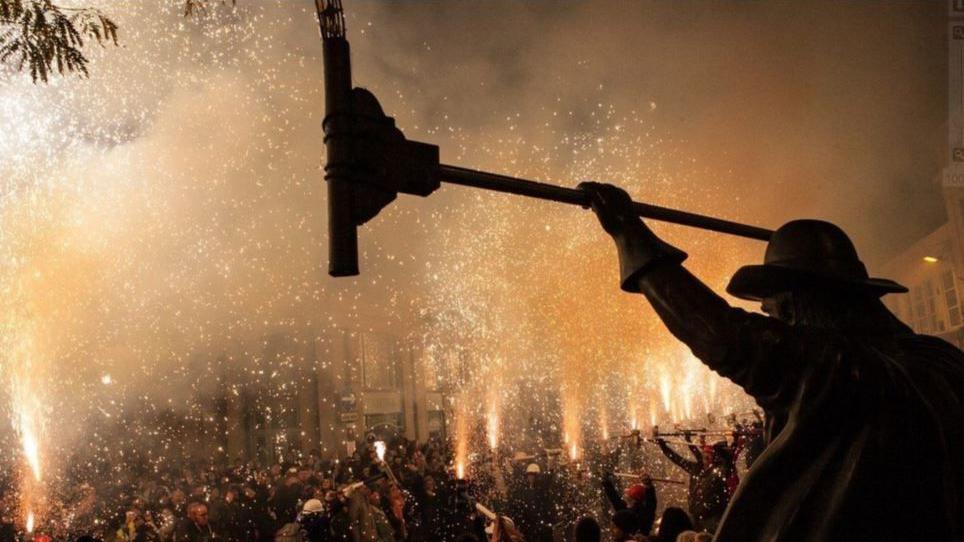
[
  {"x": 315, "y": 521},
  {"x": 587, "y": 530},
  {"x": 709, "y": 474},
  {"x": 673, "y": 522},
  {"x": 532, "y": 504},
  {"x": 694, "y": 536},
  {"x": 128, "y": 531},
  {"x": 640, "y": 499},
  {"x": 503, "y": 529},
  {"x": 623, "y": 525},
  {"x": 432, "y": 510},
  {"x": 195, "y": 527},
  {"x": 285, "y": 501},
  {"x": 226, "y": 513},
  {"x": 383, "y": 529}
]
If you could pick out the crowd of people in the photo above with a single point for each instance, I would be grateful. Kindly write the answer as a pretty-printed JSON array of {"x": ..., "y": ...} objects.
[{"x": 401, "y": 491}]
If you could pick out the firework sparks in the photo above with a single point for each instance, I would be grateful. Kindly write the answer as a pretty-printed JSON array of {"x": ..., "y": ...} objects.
[
  {"x": 380, "y": 450},
  {"x": 492, "y": 430}
]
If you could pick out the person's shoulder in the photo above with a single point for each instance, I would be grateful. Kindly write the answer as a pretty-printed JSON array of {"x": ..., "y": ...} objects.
[{"x": 927, "y": 352}]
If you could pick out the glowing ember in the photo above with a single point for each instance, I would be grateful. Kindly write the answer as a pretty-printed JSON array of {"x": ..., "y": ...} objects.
[
  {"x": 31, "y": 447},
  {"x": 492, "y": 430},
  {"x": 461, "y": 438},
  {"x": 380, "y": 450}
]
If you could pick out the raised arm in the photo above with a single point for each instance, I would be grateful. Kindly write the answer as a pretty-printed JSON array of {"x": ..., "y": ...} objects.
[
  {"x": 612, "y": 495},
  {"x": 691, "y": 467},
  {"x": 754, "y": 351}
]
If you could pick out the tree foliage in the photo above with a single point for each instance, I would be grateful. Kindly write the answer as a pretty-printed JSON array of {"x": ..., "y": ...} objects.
[{"x": 43, "y": 37}]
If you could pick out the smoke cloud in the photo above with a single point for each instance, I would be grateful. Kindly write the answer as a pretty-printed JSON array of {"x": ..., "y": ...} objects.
[{"x": 169, "y": 211}]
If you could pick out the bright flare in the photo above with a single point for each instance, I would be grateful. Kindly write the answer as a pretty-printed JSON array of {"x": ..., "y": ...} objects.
[
  {"x": 31, "y": 447},
  {"x": 664, "y": 390},
  {"x": 492, "y": 430},
  {"x": 380, "y": 450},
  {"x": 29, "y": 522}
]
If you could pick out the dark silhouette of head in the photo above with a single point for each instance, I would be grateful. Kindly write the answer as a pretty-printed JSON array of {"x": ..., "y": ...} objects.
[
  {"x": 624, "y": 524},
  {"x": 587, "y": 530},
  {"x": 673, "y": 521}
]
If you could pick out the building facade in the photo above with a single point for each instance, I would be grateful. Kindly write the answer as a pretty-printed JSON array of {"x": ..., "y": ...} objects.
[
  {"x": 295, "y": 393},
  {"x": 933, "y": 267}
]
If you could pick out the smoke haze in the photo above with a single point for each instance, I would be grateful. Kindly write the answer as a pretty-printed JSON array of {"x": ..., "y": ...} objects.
[{"x": 170, "y": 209}]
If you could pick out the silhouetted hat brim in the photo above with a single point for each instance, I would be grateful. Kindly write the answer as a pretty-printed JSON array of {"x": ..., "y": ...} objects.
[{"x": 755, "y": 282}]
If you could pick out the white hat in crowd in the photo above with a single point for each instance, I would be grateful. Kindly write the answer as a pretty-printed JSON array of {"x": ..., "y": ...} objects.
[
  {"x": 533, "y": 468},
  {"x": 313, "y": 506}
]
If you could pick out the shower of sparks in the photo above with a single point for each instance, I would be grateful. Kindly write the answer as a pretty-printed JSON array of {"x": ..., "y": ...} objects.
[
  {"x": 492, "y": 430},
  {"x": 139, "y": 241},
  {"x": 31, "y": 446}
]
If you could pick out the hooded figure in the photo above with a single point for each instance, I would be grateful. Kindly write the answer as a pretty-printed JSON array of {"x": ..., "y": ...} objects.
[{"x": 864, "y": 418}]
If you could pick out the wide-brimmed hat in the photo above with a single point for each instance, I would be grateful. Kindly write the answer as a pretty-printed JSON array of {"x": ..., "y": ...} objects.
[{"x": 807, "y": 252}]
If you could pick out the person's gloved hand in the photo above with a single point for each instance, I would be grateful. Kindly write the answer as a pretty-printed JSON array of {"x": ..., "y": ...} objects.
[
  {"x": 613, "y": 207},
  {"x": 639, "y": 248}
]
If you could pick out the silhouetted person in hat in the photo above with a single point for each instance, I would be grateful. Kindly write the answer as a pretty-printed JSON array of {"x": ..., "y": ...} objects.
[{"x": 864, "y": 418}]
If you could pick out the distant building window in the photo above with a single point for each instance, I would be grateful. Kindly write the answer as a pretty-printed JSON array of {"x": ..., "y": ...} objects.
[
  {"x": 436, "y": 424},
  {"x": 385, "y": 426},
  {"x": 925, "y": 308},
  {"x": 380, "y": 372},
  {"x": 951, "y": 299},
  {"x": 440, "y": 366},
  {"x": 432, "y": 368}
]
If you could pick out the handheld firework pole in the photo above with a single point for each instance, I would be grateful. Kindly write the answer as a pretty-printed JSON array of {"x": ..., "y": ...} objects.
[
  {"x": 632, "y": 476},
  {"x": 350, "y": 488},
  {"x": 486, "y": 511},
  {"x": 380, "y": 453},
  {"x": 547, "y": 453},
  {"x": 369, "y": 161},
  {"x": 686, "y": 433}
]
